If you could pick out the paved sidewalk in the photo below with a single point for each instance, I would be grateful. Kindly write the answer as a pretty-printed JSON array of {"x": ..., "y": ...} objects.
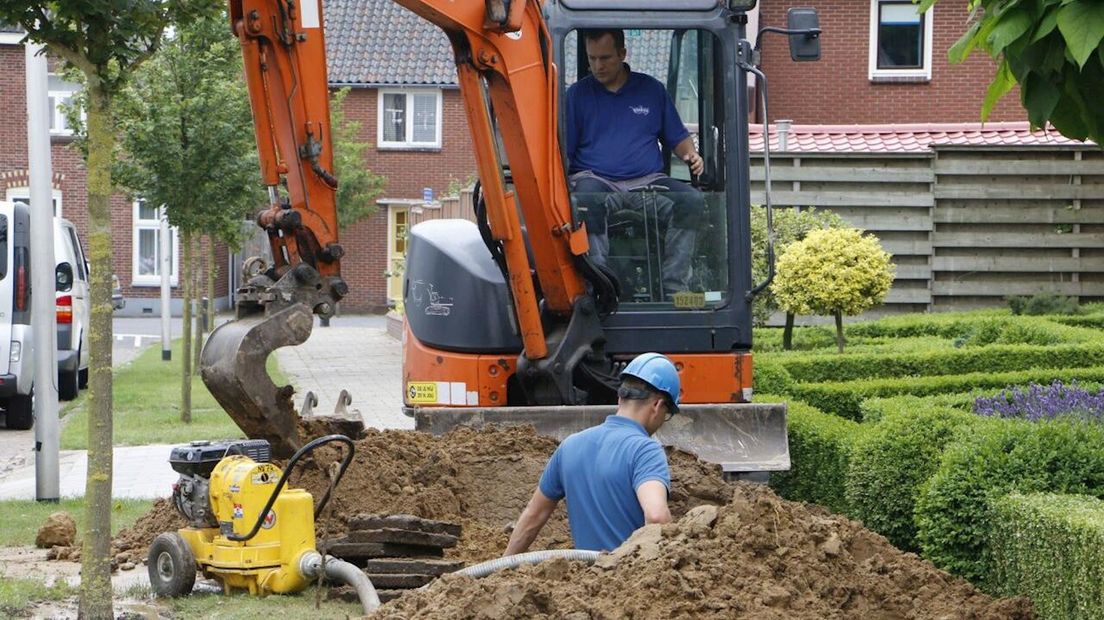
[{"x": 355, "y": 353}]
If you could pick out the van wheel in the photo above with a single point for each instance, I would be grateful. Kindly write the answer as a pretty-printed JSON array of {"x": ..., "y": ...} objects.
[
  {"x": 82, "y": 378},
  {"x": 67, "y": 384},
  {"x": 20, "y": 412}
]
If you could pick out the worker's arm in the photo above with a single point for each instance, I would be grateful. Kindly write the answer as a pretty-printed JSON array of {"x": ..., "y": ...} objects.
[
  {"x": 652, "y": 496},
  {"x": 530, "y": 522},
  {"x": 687, "y": 153}
]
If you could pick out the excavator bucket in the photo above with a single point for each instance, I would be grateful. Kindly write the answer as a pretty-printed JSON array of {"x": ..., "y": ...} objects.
[
  {"x": 233, "y": 368},
  {"x": 741, "y": 438}
]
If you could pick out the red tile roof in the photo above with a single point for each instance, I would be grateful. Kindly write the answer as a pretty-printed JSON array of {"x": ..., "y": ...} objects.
[{"x": 907, "y": 138}]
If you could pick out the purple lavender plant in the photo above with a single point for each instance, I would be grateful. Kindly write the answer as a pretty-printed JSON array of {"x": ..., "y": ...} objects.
[{"x": 1043, "y": 402}]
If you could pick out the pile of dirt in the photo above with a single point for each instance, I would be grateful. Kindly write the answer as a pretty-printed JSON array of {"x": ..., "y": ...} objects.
[
  {"x": 757, "y": 557},
  {"x": 480, "y": 479}
]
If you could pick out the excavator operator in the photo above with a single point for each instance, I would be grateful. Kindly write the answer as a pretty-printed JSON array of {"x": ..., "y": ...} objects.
[
  {"x": 614, "y": 121},
  {"x": 615, "y": 476}
]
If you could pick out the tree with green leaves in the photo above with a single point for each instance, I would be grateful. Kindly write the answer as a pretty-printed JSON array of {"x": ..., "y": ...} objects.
[
  {"x": 358, "y": 186},
  {"x": 833, "y": 272},
  {"x": 106, "y": 42},
  {"x": 1052, "y": 48},
  {"x": 188, "y": 144}
]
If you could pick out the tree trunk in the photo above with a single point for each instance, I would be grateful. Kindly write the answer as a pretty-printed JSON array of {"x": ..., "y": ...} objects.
[
  {"x": 839, "y": 330},
  {"x": 787, "y": 332},
  {"x": 95, "y": 585},
  {"x": 212, "y": 273},
  {"x": 201, "y": 313},
  {"x": 186, "y": 354}
]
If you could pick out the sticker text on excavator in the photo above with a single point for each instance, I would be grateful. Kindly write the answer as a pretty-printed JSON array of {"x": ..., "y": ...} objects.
[{"x": 421, "y": 392}]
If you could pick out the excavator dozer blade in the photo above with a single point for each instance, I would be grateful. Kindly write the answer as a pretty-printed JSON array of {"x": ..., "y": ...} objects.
[
  {"x": 741, "y": 438},
  {"x": 233, "y": 368}
]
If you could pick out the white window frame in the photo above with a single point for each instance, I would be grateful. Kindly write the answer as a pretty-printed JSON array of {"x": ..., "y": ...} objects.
[
  {"x": 408, "y": 143},
  {"x": 924, "y": 72},
  {"x": 136, "y": 278},
  {"x": 24, "y": 194},
  {"x": 57, "y": 115}
]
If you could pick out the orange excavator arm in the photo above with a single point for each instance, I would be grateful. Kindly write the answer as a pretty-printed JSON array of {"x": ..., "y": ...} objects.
[{"x": 505, "y": 70}]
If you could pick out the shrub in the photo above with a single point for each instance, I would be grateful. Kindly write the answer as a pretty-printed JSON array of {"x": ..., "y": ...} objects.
[
  {"x": 813, "y": 368},
  {"x": 770, "y": 376},
  {"x": 820, "y": 455},
  {"x": 1039, "y": 402},
  {"x": 890, "y": 463},
  {"x": 1043, "y": 303},
  {"x": 1051, "y": 548},
  {"x": 833, "y": 272},
  {"x": 954, "y": 511},
  {"x": 845, "y": 398},
  {"x": 874, "y": 410},
  {"x": 979, "y": 328}
]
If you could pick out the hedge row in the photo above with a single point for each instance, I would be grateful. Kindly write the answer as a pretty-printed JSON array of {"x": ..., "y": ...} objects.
[
  {"x": 978, "y": 329},
  {"x": 820, "y": 455},
  {"x": 1051, "y": 548},
  {"x": 808, "y": 368},
  {"x": 845, "y": 398},
  {"x": 892, "y": 461},
  {"x": 875, "y": 409},
  {"x": 954, "y": 512}
]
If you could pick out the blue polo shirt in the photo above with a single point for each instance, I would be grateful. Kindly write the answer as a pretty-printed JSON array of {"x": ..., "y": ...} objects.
[
  {"x": 616, "y": 134},
  {"x": 598, "y": 470}
]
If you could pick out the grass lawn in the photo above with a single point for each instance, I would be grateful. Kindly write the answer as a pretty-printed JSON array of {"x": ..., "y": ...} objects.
[
  {"x": 216, "y": 606},
  {"x": 22, "y": 518},
  {"x": 18, "y": 594},
  {"x": 147, "y": 405}
]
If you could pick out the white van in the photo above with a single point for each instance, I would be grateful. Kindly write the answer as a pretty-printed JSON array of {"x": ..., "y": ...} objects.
[
  {"x": 74, "y": 310},
  {"x": 16, "y": 345}
]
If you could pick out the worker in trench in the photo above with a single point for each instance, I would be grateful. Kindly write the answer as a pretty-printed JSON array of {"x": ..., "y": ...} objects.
[{"x": 615, "y": 476}]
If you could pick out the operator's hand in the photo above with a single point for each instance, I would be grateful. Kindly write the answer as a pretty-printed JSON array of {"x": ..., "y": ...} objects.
[{"x": 696, "y": 163}]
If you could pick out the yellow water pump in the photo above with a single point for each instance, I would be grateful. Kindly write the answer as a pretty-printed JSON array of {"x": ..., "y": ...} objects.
[{"x": 245, "y": 529}]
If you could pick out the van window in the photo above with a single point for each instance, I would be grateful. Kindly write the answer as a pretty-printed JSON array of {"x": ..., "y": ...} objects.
[
  {"x": 3, "y": 247},
  {"x": 78, "y": 254}
]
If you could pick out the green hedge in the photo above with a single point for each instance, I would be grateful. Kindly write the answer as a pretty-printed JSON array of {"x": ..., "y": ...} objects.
[
  {"x": 845, "y": 398},
  {"x": 954, "y": 511},
  {"x": 1051, "y": 549},
  {"x": 892, "y": 460},
  {"x": 820, "y": 455},
  {"x": 770, "y": 376},
  {"x": 874, "y": 409},
  {"x": 997, "y": 358},
  {"x": 978, "y": 329}
]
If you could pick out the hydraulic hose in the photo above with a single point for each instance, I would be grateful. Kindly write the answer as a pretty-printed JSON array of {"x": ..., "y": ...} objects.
[
  {"x": 342, "y": 572},
  {"x": 533, "y": 557}
]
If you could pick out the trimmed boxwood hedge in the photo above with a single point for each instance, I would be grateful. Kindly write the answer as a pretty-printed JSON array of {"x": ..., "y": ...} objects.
[
  {"x": 978, "y": 329},
  {"x": 820, "y": 455},
  {"x": 997, "y": 358},
  {"x": 875, "y": 409},
  {"x": 954, "y": 511},
  {"x": 845, "y": 398},
  {"x": 893, "y": 459},
  {"x": 1051, "y": 549}
]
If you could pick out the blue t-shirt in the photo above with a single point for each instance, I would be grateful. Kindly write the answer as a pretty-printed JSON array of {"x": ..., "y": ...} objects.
[
  {"x": 615, "y": 135},
  {"x": 599, "y": 470}
]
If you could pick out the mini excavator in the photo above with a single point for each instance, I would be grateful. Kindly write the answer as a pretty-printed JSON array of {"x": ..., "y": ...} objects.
[{"x": 534, "y": 331}]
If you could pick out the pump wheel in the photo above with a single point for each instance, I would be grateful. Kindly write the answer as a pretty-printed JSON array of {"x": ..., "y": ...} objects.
[{"x": 172, "y": 566}]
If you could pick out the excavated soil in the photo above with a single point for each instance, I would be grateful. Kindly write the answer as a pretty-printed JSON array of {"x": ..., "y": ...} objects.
[{"x": 738, "y": 550}]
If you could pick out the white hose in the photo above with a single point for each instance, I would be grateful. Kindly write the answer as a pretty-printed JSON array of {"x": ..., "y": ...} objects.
[
  {"x": 343, "y": 572},
  {"x": 513, "y": 561}
]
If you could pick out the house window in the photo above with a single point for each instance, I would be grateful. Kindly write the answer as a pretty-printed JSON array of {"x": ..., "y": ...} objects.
[
  {"x": 60, "y": 94},
  {"x": 900, "y": 41},
  {"x": 23, "y": 194},
  {"x": 146, "y": 269},
  {"x": 409, "y": 119}
]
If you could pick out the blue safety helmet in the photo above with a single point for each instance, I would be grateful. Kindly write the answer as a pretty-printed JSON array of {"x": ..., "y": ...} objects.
[{"x": 657, "y": 371}]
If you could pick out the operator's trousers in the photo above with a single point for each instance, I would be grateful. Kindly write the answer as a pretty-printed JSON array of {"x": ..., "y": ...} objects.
[{"x": 679, "y": 208}]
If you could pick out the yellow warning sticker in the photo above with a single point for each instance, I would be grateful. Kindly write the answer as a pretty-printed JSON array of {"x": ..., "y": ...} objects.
[{"x": 421, "y": 392}]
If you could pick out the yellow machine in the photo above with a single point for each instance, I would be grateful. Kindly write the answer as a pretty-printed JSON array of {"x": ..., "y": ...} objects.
[{"x": 245, "y": 529}]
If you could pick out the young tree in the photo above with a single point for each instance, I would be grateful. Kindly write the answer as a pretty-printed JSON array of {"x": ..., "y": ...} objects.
[
  {"x": 358, "y": 186},
  {"x": 1052, "y": 49},
  {"x": 789, "y": 225},
  {"x": 106, "y": 42},
  {"x": 833, "y": 272},
  {"x": 188, "y": 143}
]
